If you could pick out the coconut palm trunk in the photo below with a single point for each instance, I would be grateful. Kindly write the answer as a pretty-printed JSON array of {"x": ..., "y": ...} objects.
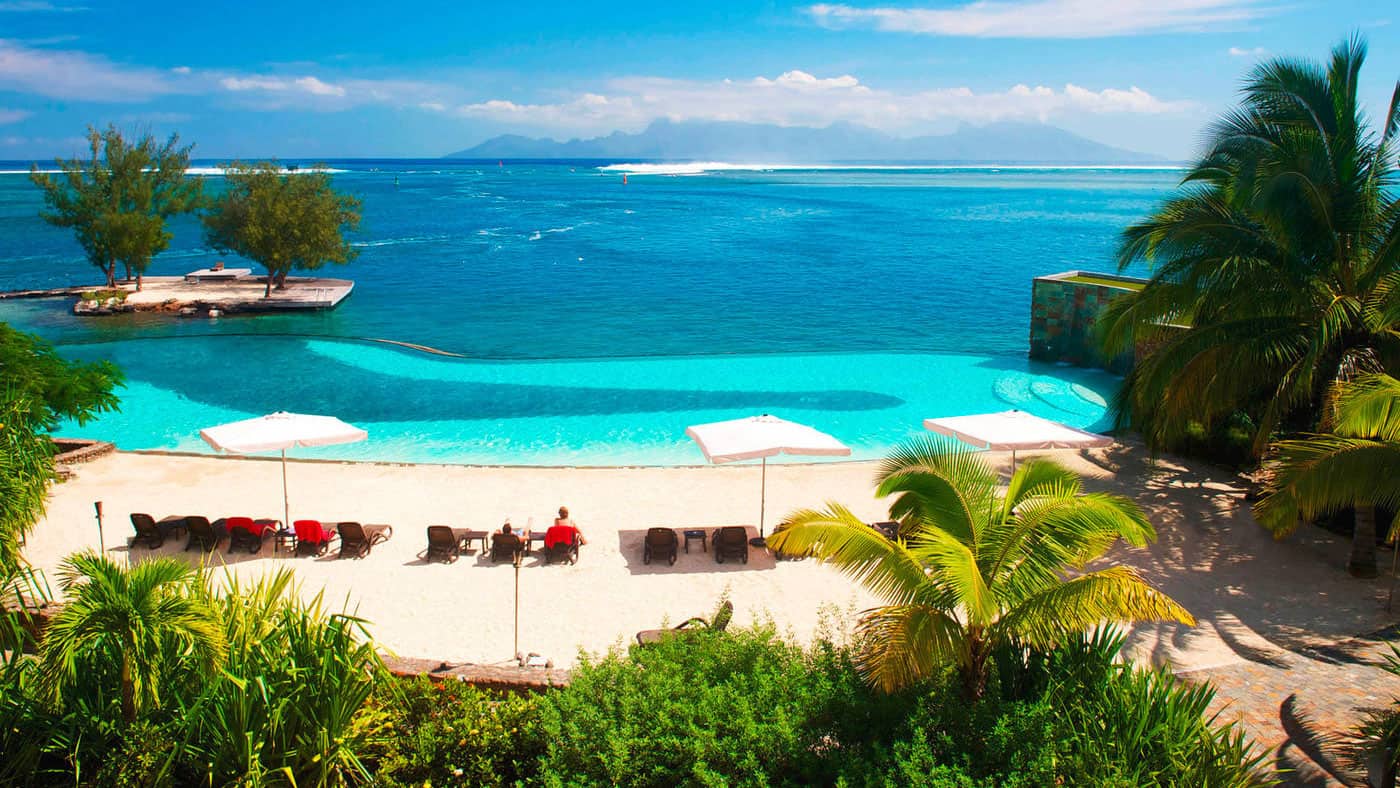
[{"x": 1363, "y": 543}]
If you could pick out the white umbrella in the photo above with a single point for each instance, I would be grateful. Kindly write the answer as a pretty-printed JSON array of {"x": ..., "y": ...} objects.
[
  {"x": 1015, "y": 430},
  {"x": 761, "y": 437},
  {"x": 281, "y": 431}
]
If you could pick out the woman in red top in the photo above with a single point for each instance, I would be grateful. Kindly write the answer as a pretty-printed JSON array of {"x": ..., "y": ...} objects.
[{"x": 564, "y": 531}]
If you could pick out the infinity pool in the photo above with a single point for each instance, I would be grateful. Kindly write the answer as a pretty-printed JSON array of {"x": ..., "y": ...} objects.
[{"x": 419, "y": 407}]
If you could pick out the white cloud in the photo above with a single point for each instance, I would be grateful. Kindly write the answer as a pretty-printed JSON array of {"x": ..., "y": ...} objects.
[
  {"x": 69, "y": 74},
  {"x": 181, "y": 70},
  {"x": 316, "y": 87},
  {"x": 1047, "y": 18},
  {"x": 433, "y": 106},
  {"x": 797, "y": 98},
  {"x": 13, "y": 115},
  {"x": 308, "y": 84},
  {"x": 1255, "y": 52},
  {"x": 28, "y": 6}
]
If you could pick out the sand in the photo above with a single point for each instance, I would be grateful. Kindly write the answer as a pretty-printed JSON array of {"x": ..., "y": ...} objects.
[{"x": 1248, "y": 591}]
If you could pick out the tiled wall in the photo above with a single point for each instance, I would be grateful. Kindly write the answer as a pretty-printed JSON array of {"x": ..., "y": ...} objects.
[{"x": 1063, "y": 315}]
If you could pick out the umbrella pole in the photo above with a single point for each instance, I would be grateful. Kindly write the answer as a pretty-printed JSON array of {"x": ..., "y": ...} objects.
[
  {"x": 762, "y": 496},
  {"x": 286, "y": 505}
]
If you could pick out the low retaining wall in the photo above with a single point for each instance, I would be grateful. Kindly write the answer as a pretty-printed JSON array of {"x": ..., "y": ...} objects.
[
  {"x": 502, "y": 678},
  {"x": 75, "y": 450}
]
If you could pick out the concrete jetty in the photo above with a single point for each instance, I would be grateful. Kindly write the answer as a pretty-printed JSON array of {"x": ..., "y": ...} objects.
[{"x": 185, "y": 295}]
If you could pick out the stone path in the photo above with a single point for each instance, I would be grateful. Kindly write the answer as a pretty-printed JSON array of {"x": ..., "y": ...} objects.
[{"x": 1277, "y": 620}]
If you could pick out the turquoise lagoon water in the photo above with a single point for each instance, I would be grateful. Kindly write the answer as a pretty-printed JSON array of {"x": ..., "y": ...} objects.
[{"x": 600, "y": 319}]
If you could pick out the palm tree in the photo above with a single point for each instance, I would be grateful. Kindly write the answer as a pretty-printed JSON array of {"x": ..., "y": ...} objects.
[
  {"x": 1275, "y": 269},
  {"x": 974, "y": 568},
  {"x": 1357, "y": 465},
  {"x": 147, "y": 618}
]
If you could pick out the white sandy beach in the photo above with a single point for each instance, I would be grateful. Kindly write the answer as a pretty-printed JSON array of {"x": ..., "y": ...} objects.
[{"x": 1249, "y": 592}]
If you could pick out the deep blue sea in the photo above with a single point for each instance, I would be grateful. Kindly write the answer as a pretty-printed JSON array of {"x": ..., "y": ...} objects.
[{"x": 602, "y": 317}]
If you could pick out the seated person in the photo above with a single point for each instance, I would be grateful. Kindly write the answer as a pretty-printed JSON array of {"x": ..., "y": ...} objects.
[
  {"x": 564, "y": 531},
  {"x": 506, "y": 542}
]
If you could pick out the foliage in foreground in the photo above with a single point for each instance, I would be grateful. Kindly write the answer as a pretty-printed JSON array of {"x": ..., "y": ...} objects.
[
  {"x": 38, "y": 388},
  {"x": 748, "y": 708},
  {"x": 974, "y": 568},
  {"x": 302, "y": 699},
  {"x": 286, "y": 706}
]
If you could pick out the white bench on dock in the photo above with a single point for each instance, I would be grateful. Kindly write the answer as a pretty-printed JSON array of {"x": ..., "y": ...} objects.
[{"x": 217, "y": 274}]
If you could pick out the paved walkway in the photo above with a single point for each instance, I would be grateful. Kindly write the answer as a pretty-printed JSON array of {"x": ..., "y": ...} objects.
[{"x": 1277, "y": 621}]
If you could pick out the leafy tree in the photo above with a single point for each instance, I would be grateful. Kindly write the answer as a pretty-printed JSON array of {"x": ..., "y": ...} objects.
[
  {"x": 39, "y": 389},
  {"x": 283, "y": 221},
  {"x": 974, "y": 569},
  {"x": 1275, "y": 269},
  {"x": 1357, "y": 465},
  {"x": 117, "y": 200},
  {"x": 143, "y": 618}
]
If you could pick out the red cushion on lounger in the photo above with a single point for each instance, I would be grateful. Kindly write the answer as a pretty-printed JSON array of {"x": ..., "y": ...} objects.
[
  {"x": 310, "y": 531},
  {"x": 241, "y": 524}
]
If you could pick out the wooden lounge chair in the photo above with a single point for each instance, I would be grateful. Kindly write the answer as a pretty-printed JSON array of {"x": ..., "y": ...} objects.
[
  {"x": 888, "y": 528},
  {"x": 153, "y": 534},
  {"x": 249, "y": 533},
  {"x": 716, "y": 624},
  {"x": 443, "y": 544},
  {"x": 204, "y": 534},
  {"x": 562, "y": 551},
  {"x": 731, "y": 541},
  {"x": 356, "y": 540},
  {"x": 660, "y": 543},
  {"x": 312, "y": 537},
  {"x": 504, "y": 547}
]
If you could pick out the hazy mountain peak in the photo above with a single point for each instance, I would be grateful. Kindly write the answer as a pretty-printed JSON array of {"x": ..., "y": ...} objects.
[{"x": 1002, "y": 142}]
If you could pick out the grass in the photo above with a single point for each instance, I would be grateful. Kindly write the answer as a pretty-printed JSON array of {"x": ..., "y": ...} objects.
[
  {"x": 103, "y": 295},
  {"x": 1087, "y": 279}
]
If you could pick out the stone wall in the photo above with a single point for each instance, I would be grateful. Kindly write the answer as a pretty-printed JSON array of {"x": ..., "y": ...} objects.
[{"x": 1064, "y": 313}]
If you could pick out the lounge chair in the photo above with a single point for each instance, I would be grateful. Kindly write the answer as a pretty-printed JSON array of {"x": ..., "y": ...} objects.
[
  {"x": 888, "y": 528},
  {"x": 153, "y": 534},
  {"x": 562, "y": 551},
  {"x": 249, "y": 533},
  {"x": 204, "y": 534},
  {"x": 731, "y": 541},
  {"x": 717, "y": 624},
  {"x": 505, "y": 547},
  {"x": 443, "y": 544},
  {"x": 660, "y": 543},
  {"x": 356, "y": 540},
  {"x": 312, "y": 537}
]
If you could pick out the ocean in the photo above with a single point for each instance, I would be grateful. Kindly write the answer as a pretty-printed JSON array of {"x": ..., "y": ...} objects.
[{"x": 601, "y": 315}]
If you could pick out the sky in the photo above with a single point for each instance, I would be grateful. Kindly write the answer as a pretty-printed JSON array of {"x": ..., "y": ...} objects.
[{"x": 359, "y": 79}]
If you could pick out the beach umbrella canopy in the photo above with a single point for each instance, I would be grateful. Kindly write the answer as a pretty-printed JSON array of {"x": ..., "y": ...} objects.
[
  {"x": 1015, "y": 430},
  {"x": 761, "y": 437},
  {"x": 278, "y": 432}
]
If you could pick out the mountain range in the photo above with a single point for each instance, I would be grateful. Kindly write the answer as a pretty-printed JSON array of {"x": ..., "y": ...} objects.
[{"x": 665, "y": 140}]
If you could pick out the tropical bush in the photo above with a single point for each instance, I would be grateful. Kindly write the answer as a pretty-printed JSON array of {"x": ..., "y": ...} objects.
[
  {"x": 255, "y": 685},
  {"x": 1275, "y": 267},
  {"x": 751, "y": 708},
  {"x": 973, "y": 568}
]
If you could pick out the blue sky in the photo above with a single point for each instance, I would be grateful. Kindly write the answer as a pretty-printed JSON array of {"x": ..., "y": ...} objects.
[{"x": 288, "y": 79}]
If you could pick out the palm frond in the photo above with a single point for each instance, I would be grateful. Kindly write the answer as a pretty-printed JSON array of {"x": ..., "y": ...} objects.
[
  {"x": 836, "y": 536},
  {"x": 1110, "y": 595},
  {"x": 902, "y": 644},
  {"x": 1321, "y": 474}
]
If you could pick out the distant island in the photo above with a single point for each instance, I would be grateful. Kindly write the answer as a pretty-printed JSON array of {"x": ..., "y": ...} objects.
[{"x": 1004, "y": 143}]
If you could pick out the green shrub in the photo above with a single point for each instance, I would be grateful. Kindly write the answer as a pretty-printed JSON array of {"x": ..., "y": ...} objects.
[
  {"x": 738, "y": 708},
  {"x": 451, "y": 733}
]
